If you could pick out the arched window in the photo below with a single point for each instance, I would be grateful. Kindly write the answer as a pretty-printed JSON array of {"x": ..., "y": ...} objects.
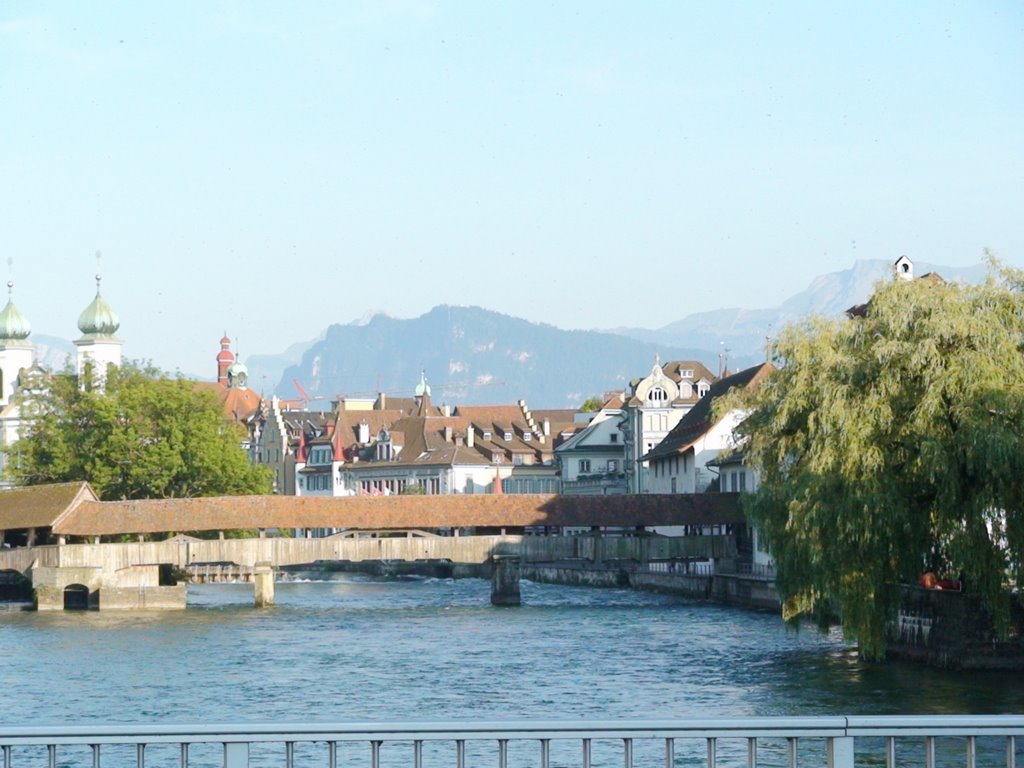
[{"x": 657, "y": 396}]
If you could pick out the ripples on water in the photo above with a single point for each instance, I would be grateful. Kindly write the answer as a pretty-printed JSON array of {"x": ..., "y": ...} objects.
[{"x": 414, "y": 649}]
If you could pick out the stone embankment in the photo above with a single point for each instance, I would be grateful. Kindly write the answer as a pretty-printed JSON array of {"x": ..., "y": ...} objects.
[{"x": 696, "y": 580}]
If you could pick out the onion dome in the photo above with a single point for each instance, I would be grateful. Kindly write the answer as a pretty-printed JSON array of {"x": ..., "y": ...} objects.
[
  {"x": 14, "y": 326},
  {"x": 422, "y": 388},
  {"x": 98, "y": 319},
  {"x": 238, "y": 375}
]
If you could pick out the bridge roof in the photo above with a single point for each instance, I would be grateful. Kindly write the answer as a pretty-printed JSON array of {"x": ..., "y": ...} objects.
[
  {"x": 40, "y": 506},
  {"x": 396, "y": 512}
]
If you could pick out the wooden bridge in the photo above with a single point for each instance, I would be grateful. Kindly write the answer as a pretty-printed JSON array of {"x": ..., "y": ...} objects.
[{"x": 63, "y": 528}]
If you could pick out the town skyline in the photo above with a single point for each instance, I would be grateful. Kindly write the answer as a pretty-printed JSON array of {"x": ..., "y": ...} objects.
[{"x": 269, "y": 171}]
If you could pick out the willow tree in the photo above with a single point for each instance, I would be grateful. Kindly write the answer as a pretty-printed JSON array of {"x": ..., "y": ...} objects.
[
  {"x": 891, "y": 443},
  {"x": 143, "y": 435}
]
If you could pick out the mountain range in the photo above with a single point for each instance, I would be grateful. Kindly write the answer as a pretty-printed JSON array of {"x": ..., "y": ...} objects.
[{"x": 473, "y": 355}]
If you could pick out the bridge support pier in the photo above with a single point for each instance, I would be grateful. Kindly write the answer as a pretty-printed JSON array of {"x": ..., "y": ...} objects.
[
  {"x": 263, "y": 584},
  {"x": 505, "y": 580}
]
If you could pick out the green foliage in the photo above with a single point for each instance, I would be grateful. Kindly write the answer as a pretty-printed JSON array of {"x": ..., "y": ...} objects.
[
  {"x": 591, "y": 405},
  {"x": 413, "y": 489},
  {"x": 144, "y": 435},
  {"x": 891, "y": 444}
]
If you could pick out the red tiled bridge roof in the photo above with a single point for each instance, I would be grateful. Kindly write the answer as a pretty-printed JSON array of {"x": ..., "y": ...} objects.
[{"x": 93, "y": 518}]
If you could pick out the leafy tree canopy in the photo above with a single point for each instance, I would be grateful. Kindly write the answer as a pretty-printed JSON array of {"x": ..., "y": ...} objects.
[
  {"x": 592, "y": 404},
  {"x": 144, "y": 435},
  {"x": 891, "y": 444}
]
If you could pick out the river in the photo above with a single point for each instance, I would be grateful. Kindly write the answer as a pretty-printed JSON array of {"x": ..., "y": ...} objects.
[{"x": 360, "y": 648}]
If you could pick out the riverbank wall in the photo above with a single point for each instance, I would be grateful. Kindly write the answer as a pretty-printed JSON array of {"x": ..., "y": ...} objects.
[
  {"x": 742, "y": 591},
  {"x": 954, "y": 630}
]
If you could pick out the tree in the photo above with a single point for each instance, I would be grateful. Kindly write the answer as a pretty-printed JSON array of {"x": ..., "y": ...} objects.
[
  {"x": 142, "y": 435},
  {"x": 891, "y": 444},
  {"x": 592, "y": 404}
]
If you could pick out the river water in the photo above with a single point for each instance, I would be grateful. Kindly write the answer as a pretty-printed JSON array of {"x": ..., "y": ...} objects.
[{"x": 360, "y": 648}]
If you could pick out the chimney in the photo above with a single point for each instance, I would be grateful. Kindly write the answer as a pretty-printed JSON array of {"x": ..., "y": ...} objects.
[
  {"x": 383, "y": 400},
  {"x": 446, "y": 410},
  {"x": 470, "y": 436},
  {"x": 447, "y": 433},
  {"x": 364, "y": 432},
  {"x": 547, "y": 427}
]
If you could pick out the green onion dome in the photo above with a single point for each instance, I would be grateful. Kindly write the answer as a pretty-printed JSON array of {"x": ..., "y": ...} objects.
[
  {"x": 14, "y": 326},
  {"x": 98, "y": 319}
]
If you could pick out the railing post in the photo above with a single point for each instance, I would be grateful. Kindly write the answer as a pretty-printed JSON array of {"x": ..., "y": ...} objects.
[
  {"x": 236, "y": 755},
  {"x": 1011, "y": 752},
  {"x": 840, "y": 752},
  {"x": 670, "y": 753}
]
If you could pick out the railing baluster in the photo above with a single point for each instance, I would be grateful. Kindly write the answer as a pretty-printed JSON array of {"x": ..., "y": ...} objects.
[
  {"x": 236, "y": 754},
  {"x": 502, "y": 753},
  {"x": 792, "y": 751},
  {"x": 140, "y": 755},
  {"x": 417, "y": 754},
  {"x": 712, "y": 753},
  {"x": 890, "y": 752},
  {"x": 929, "y": 752},
  {"x": 752, "y": 752},
  {"x": 184, "y": 756},
  {"x": 332, "y": 754},
  {"x": 7, "y": 756},
  {"x": 51, "y": 750},
  {"x": 95, "y": 755},
  {"x": 545, "y": 753},
  {"x": 375, "y": 754},
  {"x": 972, "y": 747},
  {"x": 840, "y": 752},
  {"x": 460, "y": 754},
  {"x": 627, "y": 753},
  {"x": 1011, "y": 752},
  {"x": 586, "y": 753},
  {"x": 670, "y": 753},
  {"x": 289, "y": 754}
]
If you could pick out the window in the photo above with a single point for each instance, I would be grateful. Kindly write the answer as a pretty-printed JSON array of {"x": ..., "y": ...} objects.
[
  {"x": 613, "y": 437},
  {"x": 657, "y": 395},
  {"x": 734, "y": 482},
  {"x": 673, "y": 485},
  {"x": 527, "y": 437},
  {"x": 517, "y": 459},
  {"x": 686, "y": 373},
  {"x": 508, "y": 436},
  {"x": 613, "y": 465},
  {"x": 702, "y": 388},
  {"x": 584, "y": 465},
  {"x": 743, "y": 481}
]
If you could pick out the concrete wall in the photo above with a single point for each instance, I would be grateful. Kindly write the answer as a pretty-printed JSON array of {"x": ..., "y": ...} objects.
[
  {"x": 143, "y": 598},
  {"x": 745, "y": 591},
  {"x": 127, "y": 589}
]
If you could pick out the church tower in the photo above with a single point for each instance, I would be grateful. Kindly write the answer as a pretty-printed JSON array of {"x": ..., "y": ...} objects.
[
  {"x": 16, "y": 353},
  {"x": 98, "y": 347}
]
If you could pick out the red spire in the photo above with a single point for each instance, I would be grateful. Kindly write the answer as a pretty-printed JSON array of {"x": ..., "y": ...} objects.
[
  {"x": 497, "y": 489},
  {"x": 224, "y": 360}
]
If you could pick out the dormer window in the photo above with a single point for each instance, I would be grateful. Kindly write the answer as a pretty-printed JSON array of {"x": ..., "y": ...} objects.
[
  {"x": 657, "y": 395},
  {"x": 686, "y": 373},
  {"x": 508, "y": 436},
  {"x": 685, "y": 389},
  {"x": 527, "y": 437},
  {"x": 702, "y": 388},
  {"x": 487, "y": 435}
]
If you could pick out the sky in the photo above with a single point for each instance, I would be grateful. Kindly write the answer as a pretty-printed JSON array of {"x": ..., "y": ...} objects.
[{"x": 268, "y": 169}]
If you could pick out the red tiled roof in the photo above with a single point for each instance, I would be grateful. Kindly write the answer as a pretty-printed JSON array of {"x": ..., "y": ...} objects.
[
  {"x": 40, "y": 506},
  {"x": 396, "y": 512}
]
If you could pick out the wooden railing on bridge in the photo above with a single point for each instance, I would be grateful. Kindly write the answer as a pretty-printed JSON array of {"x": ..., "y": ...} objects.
[{"x": 284, "y": 551}]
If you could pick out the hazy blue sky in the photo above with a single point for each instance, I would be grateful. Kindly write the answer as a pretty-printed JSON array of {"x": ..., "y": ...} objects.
[{"x": 270, "y": 168}]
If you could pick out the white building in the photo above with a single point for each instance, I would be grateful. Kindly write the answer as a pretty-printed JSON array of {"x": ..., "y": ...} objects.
[
  {"x": 98, "y": 347},
  {"x": 654, "y": 405},
  {"x": 592, "y": 461}
]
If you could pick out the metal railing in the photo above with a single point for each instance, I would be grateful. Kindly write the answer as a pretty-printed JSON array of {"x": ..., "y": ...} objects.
[{"x": 838, "y": 742}]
